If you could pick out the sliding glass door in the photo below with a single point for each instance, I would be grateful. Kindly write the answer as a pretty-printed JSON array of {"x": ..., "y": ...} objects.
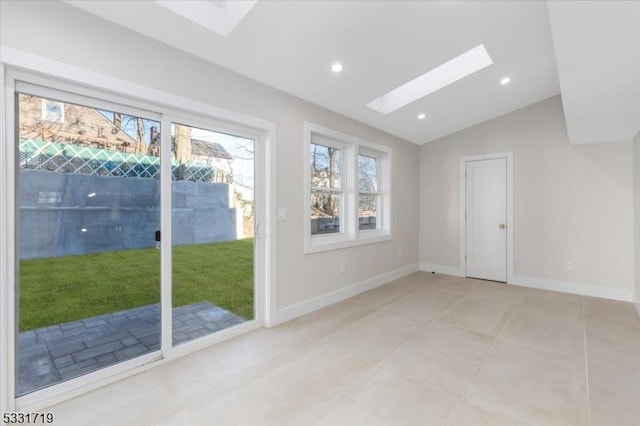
[
  {"x": 88, "y": 194},
  {"x": 134, "y": 234}
]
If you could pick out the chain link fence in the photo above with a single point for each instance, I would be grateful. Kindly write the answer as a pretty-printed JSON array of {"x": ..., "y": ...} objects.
[{"x": 65, "y": 158}]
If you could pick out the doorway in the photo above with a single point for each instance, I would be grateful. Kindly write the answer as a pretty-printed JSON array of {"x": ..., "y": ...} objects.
[
  {"x": 486, "y": 216},
  {"x": 134, "y": 235}
]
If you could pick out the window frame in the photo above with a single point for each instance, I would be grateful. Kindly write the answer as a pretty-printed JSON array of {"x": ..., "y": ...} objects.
[
  {"x": 350, "y": 148},
  {"x": 341, "y": 173}
]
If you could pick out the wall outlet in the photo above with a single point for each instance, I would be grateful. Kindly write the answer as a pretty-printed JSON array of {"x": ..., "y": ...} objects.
[
  {"x": 399, "y": 252},
  {"x": 343, "y": 267},
  {"x": 571, "y": 266}
]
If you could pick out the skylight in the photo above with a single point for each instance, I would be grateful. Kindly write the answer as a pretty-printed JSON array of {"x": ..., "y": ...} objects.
[
  {"x": 457, "y": 68},
  {"x": 219, "y": 16}
]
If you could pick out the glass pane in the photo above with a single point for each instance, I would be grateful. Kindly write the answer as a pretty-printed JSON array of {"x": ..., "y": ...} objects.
[
  {"x": 89, "y": 271},
  {"x": 367, "y": 211},
  {"x": 325, "y": 212},
  {"x": 367, "y": 174},
  {"x": 325, "y": 166},
  {"x": 212, "y": 231}
]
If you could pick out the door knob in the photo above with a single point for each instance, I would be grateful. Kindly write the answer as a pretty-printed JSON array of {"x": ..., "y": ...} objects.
[{"x": 502, "y": 226}]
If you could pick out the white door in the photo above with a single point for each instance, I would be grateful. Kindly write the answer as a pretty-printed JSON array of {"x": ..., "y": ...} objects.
[{"x": 486, "y": 219}]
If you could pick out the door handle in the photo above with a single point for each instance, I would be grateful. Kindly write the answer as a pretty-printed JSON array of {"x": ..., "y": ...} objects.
[{"x": 502, "y": 226}]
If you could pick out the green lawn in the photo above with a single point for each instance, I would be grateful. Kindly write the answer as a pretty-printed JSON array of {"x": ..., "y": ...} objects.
[{"x": 62, "y": 289}]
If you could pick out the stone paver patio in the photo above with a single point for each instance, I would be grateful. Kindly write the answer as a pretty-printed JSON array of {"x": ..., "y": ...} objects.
[{"x": 60, "y": 352}]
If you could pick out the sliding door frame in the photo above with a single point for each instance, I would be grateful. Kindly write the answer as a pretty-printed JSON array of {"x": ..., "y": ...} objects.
[{"x": 19, "y": 66}]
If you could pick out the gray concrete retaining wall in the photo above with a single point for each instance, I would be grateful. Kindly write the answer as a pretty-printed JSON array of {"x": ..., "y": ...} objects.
[{"x": 66, "y": 214}]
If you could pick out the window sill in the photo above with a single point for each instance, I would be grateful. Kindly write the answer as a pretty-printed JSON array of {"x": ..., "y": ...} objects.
[{"x": 374, "y": 237}]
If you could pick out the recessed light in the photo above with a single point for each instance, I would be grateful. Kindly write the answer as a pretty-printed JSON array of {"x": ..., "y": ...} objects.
[
  {"x": 422, "y": 116},
  {"x": 337, "y": 67},
  {"x": 443, "y": 75},
  {"x": 505, "y": 80}
]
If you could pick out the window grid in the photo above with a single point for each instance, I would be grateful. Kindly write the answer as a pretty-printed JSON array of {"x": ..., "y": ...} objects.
[{"x": 363, "y": 193}]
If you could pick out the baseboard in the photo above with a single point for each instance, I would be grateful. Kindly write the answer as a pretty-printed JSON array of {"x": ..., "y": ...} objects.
[
  {"x": 545, "y": 284},
  {"x": 299, "y": 309},
  {"x": 442, "y": 269},
  {"x": 572, "y": 287},
  {"x": 308, "y": 306}
]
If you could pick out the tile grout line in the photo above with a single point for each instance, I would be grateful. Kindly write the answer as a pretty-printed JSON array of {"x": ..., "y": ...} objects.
[
  {"x": 426, "y": 324},
  {"x": 586, "y": 361},
  {"x": 461, "y": 396},
  {"x": 376, "y": 366},
  {"x": 493, "y": 346},
  {"x": 430, "y": 321},
  {"x": 446, "y": 311},
  {"x": 495, "y": 343},
  {"x": 498, "y": 336},
  {"x": 517, "y": 305},
  {"x": 530, "y": 345},
  {"x": 458, "y": 397}
]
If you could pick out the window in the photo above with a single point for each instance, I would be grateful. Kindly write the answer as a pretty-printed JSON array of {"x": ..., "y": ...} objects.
[
  {"x": 326, "y": 189},
  {"x": 368, "y": 194},
  {"x": 347, "y": 190},
  {"x": 52, "y": 111}
]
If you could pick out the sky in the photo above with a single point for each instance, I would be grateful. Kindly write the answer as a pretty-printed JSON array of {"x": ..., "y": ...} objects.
[{"x": 241, "y": 149}]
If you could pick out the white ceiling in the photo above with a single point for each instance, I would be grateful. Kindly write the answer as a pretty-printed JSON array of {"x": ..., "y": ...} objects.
[{"x": 291, "y": 45}]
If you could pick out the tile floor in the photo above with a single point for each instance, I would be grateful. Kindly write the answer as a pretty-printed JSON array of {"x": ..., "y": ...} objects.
[{"x": 423, "y": 350}]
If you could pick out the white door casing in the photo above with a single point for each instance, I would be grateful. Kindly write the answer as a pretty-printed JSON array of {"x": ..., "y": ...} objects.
[{"x": 486, "y": 218}]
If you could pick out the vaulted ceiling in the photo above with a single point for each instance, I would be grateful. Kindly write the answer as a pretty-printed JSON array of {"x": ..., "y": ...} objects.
[{"x": 588, "y": 51}]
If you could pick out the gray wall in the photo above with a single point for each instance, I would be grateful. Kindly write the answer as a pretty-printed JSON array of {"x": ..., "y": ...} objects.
[
  {"x": 201, "y": 213},
  {"x": 571, "y": 203},
  {"x": 66, "y": 214},
  {"x": 636, "y": 215}
]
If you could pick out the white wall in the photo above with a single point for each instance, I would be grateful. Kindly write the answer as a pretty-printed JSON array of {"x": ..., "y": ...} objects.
[
  {"x": 571, "y": 202},
  {"x": 636, "y": 215},
  {"x": 66, "y": 34}
]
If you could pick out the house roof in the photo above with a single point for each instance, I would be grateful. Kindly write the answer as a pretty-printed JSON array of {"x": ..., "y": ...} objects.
[
  {"x": 80, "y": 125},
  {"x": 209, "y": 149}
]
